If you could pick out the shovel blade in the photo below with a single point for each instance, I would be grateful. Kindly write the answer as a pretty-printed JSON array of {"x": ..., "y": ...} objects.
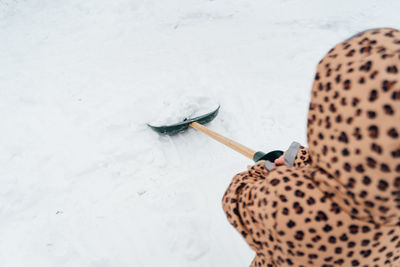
[{"x": 183, "y": 126}]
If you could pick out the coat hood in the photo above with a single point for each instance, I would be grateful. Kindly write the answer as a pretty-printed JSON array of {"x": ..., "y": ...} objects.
[{"x": 354, "y": 125}]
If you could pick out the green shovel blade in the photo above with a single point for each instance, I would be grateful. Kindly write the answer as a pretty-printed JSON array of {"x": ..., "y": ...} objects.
[{"x": 182, "y": 126}]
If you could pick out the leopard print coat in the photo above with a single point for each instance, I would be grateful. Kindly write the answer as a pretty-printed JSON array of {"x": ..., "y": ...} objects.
[{"x": 339, "y": 205}]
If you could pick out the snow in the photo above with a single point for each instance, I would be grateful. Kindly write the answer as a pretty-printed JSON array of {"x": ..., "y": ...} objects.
[
  {"x": 178, "y": 109},
  {"x": 85, "y": 182}
]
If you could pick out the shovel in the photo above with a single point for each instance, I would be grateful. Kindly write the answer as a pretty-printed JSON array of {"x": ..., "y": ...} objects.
[{"x": 197, "y": 123}]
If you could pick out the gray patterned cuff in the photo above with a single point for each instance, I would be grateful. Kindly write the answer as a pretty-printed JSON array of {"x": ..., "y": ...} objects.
[
  {"x": 269, "y": 165},
  {"x": 291, "y": 153}
]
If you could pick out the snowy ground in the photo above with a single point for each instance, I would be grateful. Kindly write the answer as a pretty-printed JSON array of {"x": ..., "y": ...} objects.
[{"x": 84, "y": 181}]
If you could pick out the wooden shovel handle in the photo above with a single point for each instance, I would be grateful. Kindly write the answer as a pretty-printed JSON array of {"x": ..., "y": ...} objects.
[{"x": 224, "y": 140}]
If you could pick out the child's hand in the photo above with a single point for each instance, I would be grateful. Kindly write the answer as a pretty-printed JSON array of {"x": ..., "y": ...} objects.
[{"x": 280, "y": 161}]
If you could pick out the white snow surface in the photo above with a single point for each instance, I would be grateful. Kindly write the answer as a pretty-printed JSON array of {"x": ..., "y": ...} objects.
[
  {"x": 181, "y": 108},
  {"x": 85, "y": 182}
]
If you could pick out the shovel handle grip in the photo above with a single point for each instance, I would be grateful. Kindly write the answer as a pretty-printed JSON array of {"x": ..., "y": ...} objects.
[{"x": 224, "y": 140}]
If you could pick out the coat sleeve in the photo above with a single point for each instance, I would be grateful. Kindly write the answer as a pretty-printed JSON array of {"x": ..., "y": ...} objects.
[
  {"x": 303, "y": 157},
  {"x": 239, "y": 203},
  {"x": 260, "y": 203},
  {"x": 254, "y": 190}
]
